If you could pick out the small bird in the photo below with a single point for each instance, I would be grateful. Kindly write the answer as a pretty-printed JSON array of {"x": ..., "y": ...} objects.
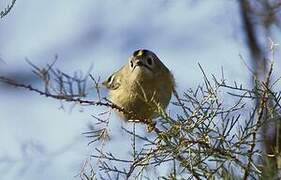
[{"x": 141, "y": 86}]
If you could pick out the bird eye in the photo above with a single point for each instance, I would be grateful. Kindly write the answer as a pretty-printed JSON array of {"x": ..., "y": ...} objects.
[
  {"x": 131, "y": 64},
  {"x": 149, "y": 61},
  {"x": 110, "y": 79}
]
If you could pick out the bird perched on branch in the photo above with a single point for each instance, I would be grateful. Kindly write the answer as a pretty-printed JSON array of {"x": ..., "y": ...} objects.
[{"x": 143, "y": 87}]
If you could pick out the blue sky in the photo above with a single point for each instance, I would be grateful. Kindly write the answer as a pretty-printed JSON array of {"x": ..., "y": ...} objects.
[{"x": 41, "y": 141}]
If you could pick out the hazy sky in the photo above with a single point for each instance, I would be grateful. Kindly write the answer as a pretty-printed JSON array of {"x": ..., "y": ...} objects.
[{"x": 41, "y": 141}]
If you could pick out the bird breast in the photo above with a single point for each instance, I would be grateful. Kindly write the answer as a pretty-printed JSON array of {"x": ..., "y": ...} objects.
[{"x": 141, "y": 94}]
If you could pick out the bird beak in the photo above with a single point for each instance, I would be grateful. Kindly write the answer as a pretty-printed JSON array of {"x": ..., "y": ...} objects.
[{"x": 137, "y": 63}]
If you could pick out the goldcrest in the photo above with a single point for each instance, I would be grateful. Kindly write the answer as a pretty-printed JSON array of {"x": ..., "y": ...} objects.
[{"x": 141, "y": 86}]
